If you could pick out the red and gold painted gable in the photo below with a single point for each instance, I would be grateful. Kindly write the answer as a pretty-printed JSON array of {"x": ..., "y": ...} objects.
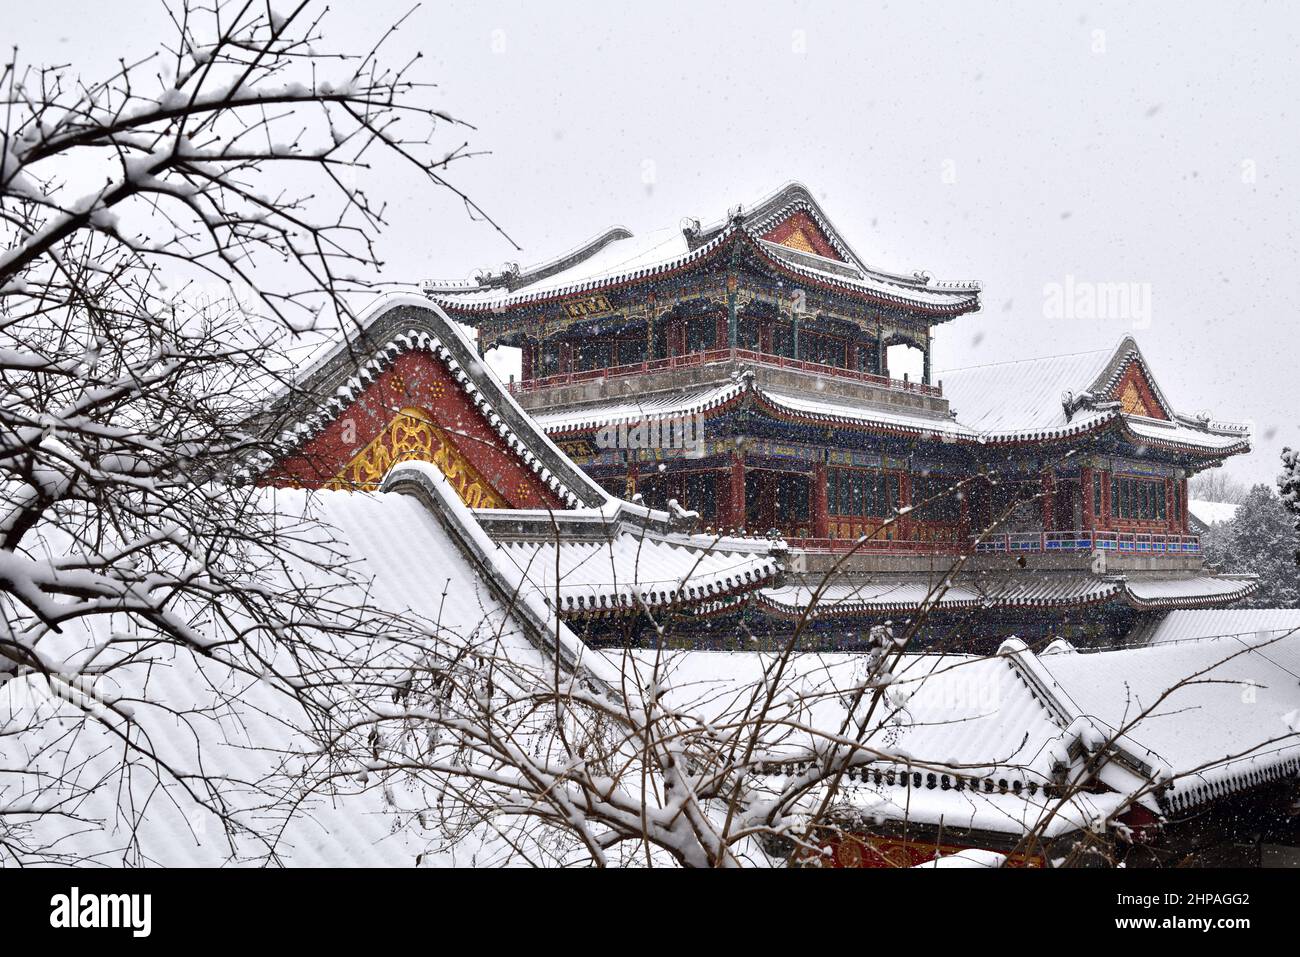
[
  {"x": 1134, "y": 393},
  {"x": 415, "y": 411},
  {"x": 800, "y": 231}
]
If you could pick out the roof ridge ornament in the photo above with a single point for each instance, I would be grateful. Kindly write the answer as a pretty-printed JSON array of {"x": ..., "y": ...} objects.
[{"x": 1072, "y": 402}]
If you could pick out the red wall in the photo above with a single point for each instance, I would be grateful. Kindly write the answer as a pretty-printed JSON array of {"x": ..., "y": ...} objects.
[{"x": 418, "y": 380}]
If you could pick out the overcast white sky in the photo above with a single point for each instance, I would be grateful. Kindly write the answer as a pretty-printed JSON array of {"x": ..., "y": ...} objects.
[{"x": 1015, "y": 144}]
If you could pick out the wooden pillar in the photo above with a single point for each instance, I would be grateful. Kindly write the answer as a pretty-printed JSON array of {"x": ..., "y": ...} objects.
[
  {"x": 1049, "y": 501},
  {"x": 1106, "y": 504},
  {"x": 629, "y": 485},
  {"x": 735, "y": 497},
  {"x": 903, "y": 526},
  {"x": 925, "y": 371},
  {"x": 1085, "y": 498},
  {"x": 819, "y": 505},
  {"x": 1182, "y": 517},
  {"x": 882, "y": 355},
  {"x": 526, "y": 360},
  {"x": 733, "y": 320}
]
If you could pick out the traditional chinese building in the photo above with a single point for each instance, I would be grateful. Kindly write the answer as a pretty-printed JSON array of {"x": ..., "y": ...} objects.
[
  {"x": 742, "y": 371},
  {"x": 410, "y": 388}
]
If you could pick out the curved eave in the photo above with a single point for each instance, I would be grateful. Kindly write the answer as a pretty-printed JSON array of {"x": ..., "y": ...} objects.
[
  {"x": 719, "y": 405},
  {"x": 706, "y": 598},
  {"x": 1254, "y": 771},
  {"x": 786, "y": 610},
  {"x": 775, "y": 409},
  {"x": 1118, "y": 422},
  {"x": 696, "y": 257},
  {"x": 1172, "y": 603}
]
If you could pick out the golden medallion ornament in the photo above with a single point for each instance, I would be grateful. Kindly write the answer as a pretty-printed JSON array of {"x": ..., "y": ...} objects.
[{"x": 412, "y": 436}]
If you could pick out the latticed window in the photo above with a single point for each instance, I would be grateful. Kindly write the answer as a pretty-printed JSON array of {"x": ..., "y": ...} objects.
[
  {"x": 1138, "y": 499},
  {"x": 865, "y": 492}
]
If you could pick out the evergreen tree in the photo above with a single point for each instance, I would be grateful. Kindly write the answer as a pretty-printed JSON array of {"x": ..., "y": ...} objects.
[
  {"x": 1261, "y": 540},
  {"x": 1289, "y": 483}
]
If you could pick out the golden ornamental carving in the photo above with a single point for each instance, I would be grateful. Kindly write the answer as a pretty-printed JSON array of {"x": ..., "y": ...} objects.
[
  {"x": 412, "y": 436},
  {"x": 1131, "y": 402}
]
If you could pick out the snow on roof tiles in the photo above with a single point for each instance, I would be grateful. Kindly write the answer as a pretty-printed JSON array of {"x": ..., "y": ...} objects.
[
  {"x": 1211, "y": 513},
  {"x": 1027, "y": 399},
  {"x": 1171, "y": 592},
  {"x": 1022, "y": 396},
  {"x": 1235, "y": 694},
  {"x": 903, "y": 593},
  {"x": 1248, "y": 623},
  {"x": 1004, "y": 402},
  {"x": 632, "y": 572},
  {"x": 618, "y": 256},
  {"x": 884, "y": 593}
]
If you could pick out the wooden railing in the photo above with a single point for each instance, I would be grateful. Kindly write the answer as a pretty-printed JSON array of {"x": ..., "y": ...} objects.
[
  {"x": 1127, "y": 543},
  {"x": 1084, "y": 540},
  {"x": 696, "y": 359}
]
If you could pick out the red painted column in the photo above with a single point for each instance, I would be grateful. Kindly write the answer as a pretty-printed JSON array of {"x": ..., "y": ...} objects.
[
  {"x": 1105, "y": 500},
  {"x": 736, "y": 491},
  {"x": 1085, "y": 486},
  {"x": 820, "y": 507},
  {"x": 526, "y": 360},
  {"x": 1182, "y": 517},
  {"x": 1049, "y": 500}
]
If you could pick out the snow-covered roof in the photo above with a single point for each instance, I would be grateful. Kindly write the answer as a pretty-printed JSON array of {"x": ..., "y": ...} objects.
[
  {"x": 1022, "y": 396},
  {"x": 632, "y": 572},
  {"x": 1249, "y": 623},
  {"x": 974, "y": 741},
  {"x": 1057, "y": 396},
  {"x": 661, "y": 405},
  {"x": 402, "y": 557},
  {"x": 617, "y": 256},
  {"x": 1230, "y": 720},
  {"x": 1010, "y": 402},
  {"x": 904, "y": 593},
  {"x": 1197, "y": 590},
  {"x": 1211, "y": 513},
  {"x": 847, "y": 593}
]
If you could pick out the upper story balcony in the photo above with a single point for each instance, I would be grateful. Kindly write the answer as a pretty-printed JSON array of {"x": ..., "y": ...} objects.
[
  {"x": 1060, "y": 550},
  {"x": 716, "y": 365}
]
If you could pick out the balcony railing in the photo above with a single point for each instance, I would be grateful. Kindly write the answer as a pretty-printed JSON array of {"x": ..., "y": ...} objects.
[
  {"x": 696, "y": 359},
  {"x": 1127, "y": 543}
]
